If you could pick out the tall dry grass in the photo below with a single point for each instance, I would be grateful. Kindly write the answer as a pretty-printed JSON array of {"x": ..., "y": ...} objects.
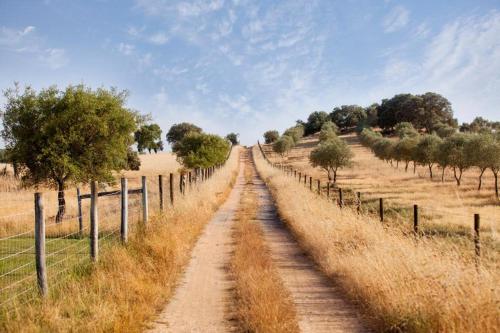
[
  {"x": 262, "y": 302},
  {"x": 402, "y": 284},
  {"x": 130, "y": 283}
]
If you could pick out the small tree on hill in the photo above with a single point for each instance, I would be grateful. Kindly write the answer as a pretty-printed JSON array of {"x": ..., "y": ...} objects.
[
  {"x": 283, "y": 145},
  {"x": 296, "y": 133},
  {"x": 233, "y": 138},
  {"x": 315, "y": 121},
  {"x": 328, "y": 131},
  {"x": 58, "y": 137},
  {"x": 478, "y": 152},
  {"x": 427, "y": 150},
  {"x": 200, "y": 150},
  {"x": 404, "y": 149},
  {"x": 271, "y": 136},
  {"x": 178, "y": 131},
  {"x": 331, "y": 156},
  {"x": 405, "y": 129},
  {"x": 454, "y": 148}
]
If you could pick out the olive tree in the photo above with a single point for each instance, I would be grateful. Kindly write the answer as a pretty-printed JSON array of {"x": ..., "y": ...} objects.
[
  {"x": 494, "y": 161},
  {"x": 201, "y": 150},
  {"x": 427, "y": 150},
  {"x": 59, "y": 137},
  {"x": 271, "y": 136},
  {"x": 331, "y": 155},
  {"x": 405, "y": 129},
  {"x": 296, "y": 133},
  {"x": 479, "y": 151},
  {"x": 453, "y": 148},
  {"x": 328, "y": 131},
  {"x": 404, "y": 148},
  {"x": 283, "y": 145}
]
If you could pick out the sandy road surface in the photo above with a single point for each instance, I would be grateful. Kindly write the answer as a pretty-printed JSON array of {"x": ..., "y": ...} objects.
[{"x": 202, "y": 301}]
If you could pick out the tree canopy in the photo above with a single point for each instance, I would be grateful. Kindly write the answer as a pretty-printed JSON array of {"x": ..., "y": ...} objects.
[
  {"x": 348, "y": 116},
  {"x": 331, "y": 155},
  {"x": 233, "y": 138},
  {"x": 315, "y": 121},
  {"x": 56, "y": 137},
  {"x": 271, "y": 136},
  {"x": 149, "y": 137},
  {"x": 283, "y": 145},
  {"x": 201, "y": 150},
  {"x": 178, "y": 131}
]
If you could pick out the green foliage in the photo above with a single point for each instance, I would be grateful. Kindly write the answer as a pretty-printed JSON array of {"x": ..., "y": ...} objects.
[
  {"x": 404, "y": 148},
  {"x": 149, "y": 137},
  {"x": 200, "y": 150},
  {"x": 405, "y": 129},
  {"x": 296, "y": 133},
  {"x": 384, "y": 149},
  {"x": 368, "y": 137},
  {"x": 348, "y": 116},
  {"x": 76, "y": 135},
  {"x": 331, "y": 155},
  {"x": 445, "y": 131},
  {"x": 271, "y": 136},
  {"x": 233, "y": 138},
  {"x": 315, "y": 121},
  {"x": 178, "y": 131},
  {"x": 454, "y": 149},
  {"x": 427, "y": 149},
  {"x": 328, "y": 131},
  {"x": 480, "y": 125},
  {"x": 283, "y": 145}
]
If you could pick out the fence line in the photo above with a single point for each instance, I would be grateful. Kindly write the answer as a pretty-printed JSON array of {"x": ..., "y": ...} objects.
[
  {"x": 357, "y": 202},
  {"x": 35, "y": 257}
]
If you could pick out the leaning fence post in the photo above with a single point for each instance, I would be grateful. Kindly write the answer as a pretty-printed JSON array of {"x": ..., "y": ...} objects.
[
  {"x": 171, "y": 184},
  {"x": 160, "y": 191},
  {"x": 415, "y": 219},
  {"x": 341, "y": 201},
  {"x": 477, "y": 240},
  {"x": 124, "y": 208},
  {"x": 41, "y": 271},
  {"x": 381, "y": 209},
  {"x": 80, "y": 215},
  {"x": 145, "y": 210},
  {"x": 94, "y": 222}
]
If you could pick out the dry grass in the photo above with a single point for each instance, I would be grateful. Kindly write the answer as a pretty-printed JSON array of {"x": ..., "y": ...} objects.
[
  {"x": 263, "y": 303},
  {"x": 402, "y": 284},
  {"x": 130, "y": 283}
]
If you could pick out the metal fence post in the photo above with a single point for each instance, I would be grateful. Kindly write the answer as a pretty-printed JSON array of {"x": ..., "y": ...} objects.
[
  {"x": 358, "y": 204},
  {"x": 124, "y": 208},
  {"x": 160, "y": 191},
  {"x": 477, "y": 240},
  {"x": 41, "y": 271},
  {"x": 94, "y": 223},
  {"x": 145, "y": 210},
  {"x": 415, "y": 219},
  {"x": 381, "y": 209}
]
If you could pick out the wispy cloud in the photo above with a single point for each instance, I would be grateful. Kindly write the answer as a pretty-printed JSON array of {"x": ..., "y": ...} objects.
[
  {"x": 54, "y": 58},
  {"x": 397, "y": 19},
  {"x": 159, "y": 38},
  {"x": 15, "y": 38},
  {"x": 126, "y": 49}
]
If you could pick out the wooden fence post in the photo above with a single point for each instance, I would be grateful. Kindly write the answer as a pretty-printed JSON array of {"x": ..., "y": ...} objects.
[
  {"x": 145, "y": 208},
  {"x": 319, "y": 187},
  {"x": 294, "y": 174},
  {"x": 124, "y": 208},
  {"x": 80, "y": 213},
  {"x": 477, "y": 240},
  {"x": 41, "y": 270},
  {"x": 358, "y": 204},
  {"x": 171, "y": 184},
  {"x": 311, "y": 183},
  {"x": 300, "y": 176},
  {"x": 341, "y": 200},
  {"x": 328, "y": 189},
  {"x": 381, "y": 209},
  {"x": 190, "y": 180},
  {"x": 415, "y": 219},
  {"x": 94, "y": 223},
  {"x": 160, "y": 191},
  {"x": 305, "y": 179},
  {"x": 180, "y": 184}
]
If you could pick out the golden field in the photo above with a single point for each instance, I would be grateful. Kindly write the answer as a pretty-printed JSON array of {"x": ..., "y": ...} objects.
[{"x": 401, "y": 282}]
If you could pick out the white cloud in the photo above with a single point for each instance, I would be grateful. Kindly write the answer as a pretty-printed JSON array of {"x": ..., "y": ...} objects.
[
  {"x": 54, "y": 58},
  {"x": 159, "y": 38},
  {"x": 145, "y": 60},
  {"x": 397, "y": 19},
  {"x": 126, "y": 49},
  {"x": 14, "y": 38}
]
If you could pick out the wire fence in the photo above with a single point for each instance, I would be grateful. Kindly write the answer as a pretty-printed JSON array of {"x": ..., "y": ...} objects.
[{"x": 26, "y": 266}]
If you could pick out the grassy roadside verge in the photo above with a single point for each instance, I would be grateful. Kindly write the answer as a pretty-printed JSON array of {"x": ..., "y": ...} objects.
[
  {"x": 402, "y": 284},
  {"x": 262, "y": 302},
  {"x": 130, "y": 283}
]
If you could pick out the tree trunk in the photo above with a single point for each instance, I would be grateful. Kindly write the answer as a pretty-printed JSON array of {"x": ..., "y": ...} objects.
[
  {"x": 414, "y": 167},
  {"x": 61, "y": 210},
  {"x": 334, "y": 176},
  {"x": 495, "y": 173},
  {"x": 397, "y": 164},
  {"x": 442, "y": 175},
  {"x": 406, "y": 166},
  {"x": 457, "y": 178},
  {"x": 480, "y": 179},
  {"x": 430, "y": 170}
]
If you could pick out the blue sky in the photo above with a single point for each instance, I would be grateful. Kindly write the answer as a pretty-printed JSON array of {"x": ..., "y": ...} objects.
[{"x": 249, "y": 66}]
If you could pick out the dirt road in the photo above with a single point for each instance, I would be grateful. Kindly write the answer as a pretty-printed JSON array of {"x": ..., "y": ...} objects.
[{"x": 203, "y": 299}]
